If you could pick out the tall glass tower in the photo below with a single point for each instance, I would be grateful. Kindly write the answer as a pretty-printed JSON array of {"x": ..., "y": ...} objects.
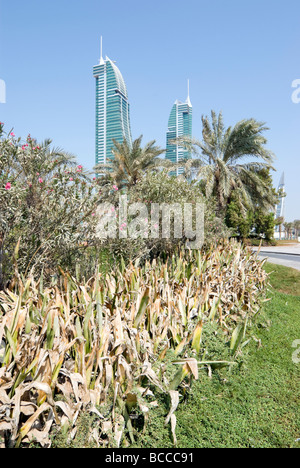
[
  {"x": 180, "y": 124},
  {"x": 280, "y": 208},
  {"x": 112, "y": 108}
]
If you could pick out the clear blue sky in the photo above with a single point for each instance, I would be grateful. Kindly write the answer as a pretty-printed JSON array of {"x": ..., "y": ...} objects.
[{"x": 241, "y": 57}]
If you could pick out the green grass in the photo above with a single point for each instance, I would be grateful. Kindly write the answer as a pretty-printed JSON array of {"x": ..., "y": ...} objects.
[
  {"x": 284, "y": 280},
  {"x": 256, "y": 405}
]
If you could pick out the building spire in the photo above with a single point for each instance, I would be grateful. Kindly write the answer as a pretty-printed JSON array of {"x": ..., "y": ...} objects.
[
  {"x": 282, "y": 182},
  {"x": 101, "y": 53},
  {"x": 188, "y": 101}
]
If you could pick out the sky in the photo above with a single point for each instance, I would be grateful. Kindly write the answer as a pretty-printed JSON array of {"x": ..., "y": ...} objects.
[{"x": 241, "y": 58}]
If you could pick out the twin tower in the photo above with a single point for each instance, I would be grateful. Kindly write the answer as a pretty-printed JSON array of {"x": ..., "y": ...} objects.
[{"x": 113, "y": 115}]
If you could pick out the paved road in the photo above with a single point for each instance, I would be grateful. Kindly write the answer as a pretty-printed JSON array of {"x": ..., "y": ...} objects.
[{"x": 281, "y": 258}]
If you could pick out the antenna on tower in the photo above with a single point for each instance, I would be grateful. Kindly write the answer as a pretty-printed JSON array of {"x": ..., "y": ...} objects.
[
  {"x": 101, "y": 52},
  {"x": 188, "y": 101}
]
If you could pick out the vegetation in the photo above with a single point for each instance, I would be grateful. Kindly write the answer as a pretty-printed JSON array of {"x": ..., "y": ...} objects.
[
  {"x": 255, "y": 405},
  {"x": 128, "y": 164},
  {"x": 223, "y": 163},
  {"x": 284, "y": 280},
  {"x": 112, "y": 342},
  {"x": 297, "y": 228},
  {"x": 49, "y": 209},
  {"x": 251, "y": 221},
  {"x": 47, "y": 206},
  {"x": 101, "y": 347}
]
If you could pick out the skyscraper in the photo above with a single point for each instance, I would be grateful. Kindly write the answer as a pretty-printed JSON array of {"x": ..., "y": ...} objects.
[
  {"x": 112, "y": 108},
  {"x": 280, "y": 208},
  {"x": 180, "y": 124},
  {"x": 281, "y": 205},
  {"x": 281, "y": 191}
]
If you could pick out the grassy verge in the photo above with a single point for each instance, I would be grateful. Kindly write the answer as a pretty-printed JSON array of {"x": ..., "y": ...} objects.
[
  {"x": 286, "y": 242},
  {"x": 284, "y": 280},
  {"x": 254, "y": 406}
]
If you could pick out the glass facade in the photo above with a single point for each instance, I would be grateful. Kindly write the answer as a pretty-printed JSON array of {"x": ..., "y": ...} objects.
[
  {"x": 179, "y": 124},
  {"x": 280, "y": 208},
  {"x": 112, "y": 109}
]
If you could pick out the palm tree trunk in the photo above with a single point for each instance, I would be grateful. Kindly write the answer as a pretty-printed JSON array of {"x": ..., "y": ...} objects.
[{"x": 220, "y": 198}]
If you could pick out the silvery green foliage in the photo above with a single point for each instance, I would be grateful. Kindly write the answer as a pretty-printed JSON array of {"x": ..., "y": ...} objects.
[
  {"x": 47, "y": 205},
  {"x": 160, "y": 189}
]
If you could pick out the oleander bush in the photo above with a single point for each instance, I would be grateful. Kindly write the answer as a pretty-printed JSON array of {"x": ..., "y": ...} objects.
[
  {"x": 106, "y": 347},
  {"x": 47, "y": 202}
]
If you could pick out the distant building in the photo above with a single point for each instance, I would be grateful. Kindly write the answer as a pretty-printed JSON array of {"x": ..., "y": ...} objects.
[
  {"x": 280, "y": 208},
  {"x": 179, "y": 124},
  {"x": 112, "y": 108}
]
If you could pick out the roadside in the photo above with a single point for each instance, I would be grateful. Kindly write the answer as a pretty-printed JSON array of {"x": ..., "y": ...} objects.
[
  {"x": 285, "y": 255},
  {"x": 255, "y": 406}
]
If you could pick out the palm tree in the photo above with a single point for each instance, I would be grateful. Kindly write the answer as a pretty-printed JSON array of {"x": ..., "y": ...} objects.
[
  {"x": 297, "y": 228},
  {"x": 279, "y": 222},
  {"x": 129, "y": 163},
  {"x": 288, "y": 230},
  {"x": 223, "y": 163}
]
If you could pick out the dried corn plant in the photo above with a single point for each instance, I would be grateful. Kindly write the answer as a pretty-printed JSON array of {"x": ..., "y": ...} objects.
[{"x": 99, "y": 347}]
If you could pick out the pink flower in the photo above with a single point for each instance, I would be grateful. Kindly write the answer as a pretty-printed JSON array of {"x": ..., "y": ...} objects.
[
  {"x": 115, "y": 187},
  {"x": 71, "y": 178},
  {"x": 12, "y": 134},
  {"x": 40, "y": 180},
  {"x": 8, "y": 186}
]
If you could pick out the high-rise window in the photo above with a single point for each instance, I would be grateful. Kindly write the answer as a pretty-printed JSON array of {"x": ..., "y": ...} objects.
[
  {"x": 180, "y": 124},
  {"x": 112, "y": 109}
]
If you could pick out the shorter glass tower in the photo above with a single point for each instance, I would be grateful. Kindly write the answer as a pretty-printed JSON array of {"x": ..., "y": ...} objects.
[
  {"x": 280, "y": 208},
  {"x": 281, "y": 190},
  {"x": 112, "y": 109},
  {"x": 180, "y": 124}
]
